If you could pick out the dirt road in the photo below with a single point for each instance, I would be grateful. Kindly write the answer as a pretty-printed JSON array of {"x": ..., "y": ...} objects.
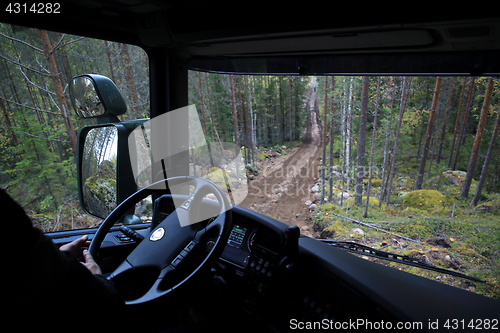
[{"x": 281, "y": 193}]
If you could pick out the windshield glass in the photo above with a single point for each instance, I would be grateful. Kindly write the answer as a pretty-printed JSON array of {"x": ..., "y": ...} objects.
[{"x": 403, "y": 164}]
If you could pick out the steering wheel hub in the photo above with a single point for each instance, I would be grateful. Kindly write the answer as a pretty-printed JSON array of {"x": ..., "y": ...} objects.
[{"x": 157, "y": 234}]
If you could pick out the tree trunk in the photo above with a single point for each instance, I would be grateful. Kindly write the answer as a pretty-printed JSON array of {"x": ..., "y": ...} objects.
[
  {"x": 396, "y": 140},
  {"x": 202, "y": 106},
  {"x": 330, "y": 158},
  {"x": 282, "y": 113},
  {"x": 248, "y": 124},
  {"x": 253, "y": 118},
  {"x": 214, "y": 129},
  {"x": 487, "y": 160},
  {"x": 387, "y": 140},
  {"x": 9, "y": 124},
  {"x": 466, "y": 112},
  {"x": 362, "y": 142},
  {"x": 56, "y": 80},
  {"x": 477, "y": 141},
  {"x": 323, "y": 143},
  {"x": 216, "y": 104},
  {"x": 129, "y": 76},
  {"x": 290, "y": 109},
  {"x": 457, "y": 122},
  {"x": 307, "y": 137},
  {"x": 110, "y": 61},
  {"x": 349, "y": 132},
  {"x": 365, "y": 215},
  {"x": 496, "y": 172},
  {"x": 445, "y": 121},
  {"x": 235, "y": 116},
  {"x": 428, "y": 135},
  {"x": 434, "y": 136}
]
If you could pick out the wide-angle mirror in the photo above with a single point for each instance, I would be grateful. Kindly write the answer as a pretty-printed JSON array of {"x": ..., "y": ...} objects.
[
  {"x": 84, "y": 98},
  {"x": 96, "y": 96},
  {"x": 98, "y": 171}
]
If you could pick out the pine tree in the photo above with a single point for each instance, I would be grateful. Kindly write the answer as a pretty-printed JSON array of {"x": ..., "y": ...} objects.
[
  {"x": 404, "y": 94},
  {"x": 430, "y": 128},
  {"x": 56, "y": 80},
  {"x": 477, "y": 140},
  {"x": 362, "y": 142},
  {"x": 464, "y": 120},
  {"x": 370, "y": 171},
  {"x": 487, "y": 160}
]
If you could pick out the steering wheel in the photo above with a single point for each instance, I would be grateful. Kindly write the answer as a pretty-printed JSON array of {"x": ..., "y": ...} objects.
[{"x": 171, "y": 246}]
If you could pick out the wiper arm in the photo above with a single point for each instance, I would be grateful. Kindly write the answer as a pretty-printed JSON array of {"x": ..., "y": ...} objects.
[{"x": 403, "y": 259}]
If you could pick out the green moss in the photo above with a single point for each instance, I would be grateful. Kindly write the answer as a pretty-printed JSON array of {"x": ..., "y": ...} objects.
[
  {"x": 103, "y": 188},
  {"x": 336, "y": 227},
  {"x": 372, "y": 202},
  {"x": 411, "y": 211},
  {"x": 419, "y": 229},
  {"x": 262, "y": 156},
  {"x": 430, "y": 200},
  {"x": 329, "y": 207},
  {"x": 491, "y": 206},
  {"x": 376, "y": 182}
]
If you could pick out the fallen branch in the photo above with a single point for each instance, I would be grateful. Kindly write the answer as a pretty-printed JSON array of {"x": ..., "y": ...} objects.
[{"x": 378, "y": 229}]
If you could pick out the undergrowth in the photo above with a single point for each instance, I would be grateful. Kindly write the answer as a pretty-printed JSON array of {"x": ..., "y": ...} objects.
[{"x": 468, "y": 242}]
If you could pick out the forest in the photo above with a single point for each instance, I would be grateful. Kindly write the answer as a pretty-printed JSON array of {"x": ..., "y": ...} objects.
[
  {"x": 418, "y": 156},
  {"x": 39, "y": 125}
]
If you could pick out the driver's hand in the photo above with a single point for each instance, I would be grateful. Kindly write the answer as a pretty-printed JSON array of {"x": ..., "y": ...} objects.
[
  {"x": 76, "y": 247},
  {"x": 90, "y": 263}
]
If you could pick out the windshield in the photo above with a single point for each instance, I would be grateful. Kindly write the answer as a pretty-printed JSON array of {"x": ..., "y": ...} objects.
[{"x": 403, "y": 164}]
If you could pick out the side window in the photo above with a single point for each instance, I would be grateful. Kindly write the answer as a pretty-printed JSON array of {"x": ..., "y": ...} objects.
[{"x": 38, "y": 124}]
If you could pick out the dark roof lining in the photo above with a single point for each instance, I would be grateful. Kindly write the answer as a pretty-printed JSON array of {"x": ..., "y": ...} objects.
[{"x": 438, "y": 63}]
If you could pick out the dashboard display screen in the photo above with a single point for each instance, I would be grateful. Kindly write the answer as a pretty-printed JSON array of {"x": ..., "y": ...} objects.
[{"x": 237, "y": 236}]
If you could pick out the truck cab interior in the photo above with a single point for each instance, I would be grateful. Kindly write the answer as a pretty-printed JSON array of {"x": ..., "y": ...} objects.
[{"x": 239, "y": 269}]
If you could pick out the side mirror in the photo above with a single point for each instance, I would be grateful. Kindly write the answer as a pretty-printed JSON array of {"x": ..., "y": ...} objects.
[
  {"x": 96, "y": 96},
  {"x": 98, "y": 171},
  {"x": 104, "y": 170}
]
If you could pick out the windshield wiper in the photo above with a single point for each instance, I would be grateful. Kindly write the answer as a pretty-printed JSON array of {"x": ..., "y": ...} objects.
[{"x": 403, "y": 259}]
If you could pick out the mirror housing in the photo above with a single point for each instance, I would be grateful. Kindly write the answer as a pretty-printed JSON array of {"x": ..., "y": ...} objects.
[
  {"x": 96, "y": 96},
  {"x": 104, "y": 171},
  {"x": 98, "y": 171}
]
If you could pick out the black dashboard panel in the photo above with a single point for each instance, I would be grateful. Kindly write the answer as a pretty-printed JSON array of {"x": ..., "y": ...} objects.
[
  {"x": 249, "y": 239},
  {"x": 319, "y": 284},
  {"x": 389, "y": 290},
  {"x": 256, "y": 247}
]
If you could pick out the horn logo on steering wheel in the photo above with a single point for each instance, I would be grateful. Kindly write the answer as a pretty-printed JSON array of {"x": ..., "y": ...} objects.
[{"x": 157, "y": 234}]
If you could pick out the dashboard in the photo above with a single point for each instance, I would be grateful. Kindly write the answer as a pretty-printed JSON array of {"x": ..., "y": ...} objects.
[
  {"x": 247, "y": 238},
  {"x": 275, "y": 278},
  {"x": 255, "y": 252}
]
